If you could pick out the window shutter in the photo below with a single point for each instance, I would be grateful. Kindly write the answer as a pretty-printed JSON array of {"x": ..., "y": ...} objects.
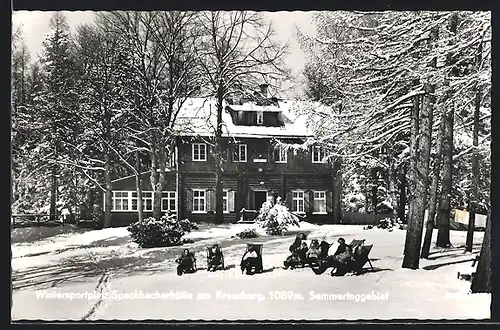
[
  {"x": 230, "y": 200},
  {"x": 251, "y": 200},
  {"x": 289, "y": 200},
  {"x": 210, "y": 200},
  {"x": 307, "y": 198},
  {"x": 189, "y": 199},
  {"x": 329, "y": 201}
]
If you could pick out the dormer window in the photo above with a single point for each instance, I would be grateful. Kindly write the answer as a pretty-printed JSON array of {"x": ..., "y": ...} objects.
[
  {"x": 260, "y": 117},
  {"x": 317, "y": 154}
]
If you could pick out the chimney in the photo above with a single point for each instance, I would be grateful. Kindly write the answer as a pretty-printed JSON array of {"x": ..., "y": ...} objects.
[{"x": 263, "y": 89}]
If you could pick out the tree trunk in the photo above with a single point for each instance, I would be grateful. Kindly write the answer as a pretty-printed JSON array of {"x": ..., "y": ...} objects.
[
  {"x": 219, "y": 215},
  {"x": 412, "y": 172},
  {"x": 473, "y": 199},
  {"x": 374, "y": 198},
  {"x": 337, "y": 191},
  {"x": 108, "y": 194},
  {"x": 153, "y": 176},
  {"x": 421, "y": 175},
  {"x": 429, "y": 226},
  {"x": 481, "y": 282},
  {"x": 53, "y": 193},
  {"x": 138, "y": 186},
  {"x": 393, "y": 191},
  {"x": 160, "y": 183},
  {"x": 402, "y": 195},
  {"x": 444, "y": 210}
]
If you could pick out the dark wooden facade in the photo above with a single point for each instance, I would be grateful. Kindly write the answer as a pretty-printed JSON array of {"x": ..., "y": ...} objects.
[{"x": 247, "y": 183}]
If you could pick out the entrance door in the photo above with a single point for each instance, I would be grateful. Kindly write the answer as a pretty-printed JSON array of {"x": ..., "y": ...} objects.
[{"x": 260, "y": 197}]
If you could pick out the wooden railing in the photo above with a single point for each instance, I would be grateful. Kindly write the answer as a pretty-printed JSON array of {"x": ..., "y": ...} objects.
[
  {"x": 36, "y": 220},
  {"x": 247, "y": 216}
]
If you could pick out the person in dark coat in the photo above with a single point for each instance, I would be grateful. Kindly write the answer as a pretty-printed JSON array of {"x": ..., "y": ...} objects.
[
  {"x": 214, "y": 257},
  {"x": 338, "y": 260},
  {"x": 295, "y": 249},
  {"x": 186, "y": 262},
  {"x": 250, "y": 260},
  {"x": 342, "y": 248},
  {"x": 324, "y": 247}
]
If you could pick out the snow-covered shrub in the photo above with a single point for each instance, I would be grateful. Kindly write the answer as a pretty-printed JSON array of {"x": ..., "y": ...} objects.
[
  {"x": 384, "y": 207},
  {"x": 385, "y": 223},
  {"x": 160, "y": 233},
  {"x": 248, "y": 233},
  {"x": 276, "y": 218}
]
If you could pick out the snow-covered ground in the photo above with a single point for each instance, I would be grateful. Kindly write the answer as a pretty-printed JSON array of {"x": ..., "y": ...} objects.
[{"x": 75, "y": 263}]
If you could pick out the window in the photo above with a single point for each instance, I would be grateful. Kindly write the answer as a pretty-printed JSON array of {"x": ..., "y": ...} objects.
[
  {"x": 225, "y": 204},
  {"x": 127, "y": 201},
  {"x": 319, "y": 202},
  {"x": 298, "y": 201},
  {"x": 199, "y": 201},
  {"x": 280, "y": 155},
  {"x": 120, "y": 200},
  {"x": 168, "y": 201},
  {"x": 260, "y": 118},
  {"x": 172, "y": 159},
  {"x": 240, "y": 154},
  {"x": 317, "y": 155},
  {"x": 147, "y": 201},
  {"x": 134, "y": 201},
  {"x": 199, "y": 152}
]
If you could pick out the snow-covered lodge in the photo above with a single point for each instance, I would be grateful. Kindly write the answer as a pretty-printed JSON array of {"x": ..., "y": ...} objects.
[{"x": 254, "y": 168}]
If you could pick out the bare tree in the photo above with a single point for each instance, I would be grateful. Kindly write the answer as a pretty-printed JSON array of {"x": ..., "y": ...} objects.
[
  {"x": 162, "y": 59},
  {"x": 104, "y": 79},
  {"x": 237, "y": 53}
]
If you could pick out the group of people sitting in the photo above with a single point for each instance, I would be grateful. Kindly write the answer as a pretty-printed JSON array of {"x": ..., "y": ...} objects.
[
  {"x": 187, "y": 261},
  {"x": 250, "y": 261},
  {"x": 317, "y": 253}
]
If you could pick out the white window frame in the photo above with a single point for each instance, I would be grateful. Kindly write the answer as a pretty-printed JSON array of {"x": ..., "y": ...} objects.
[
  {"x": 170, "y": 196},
  {"x": 238, "y": 153},
  {"x": 204, "y": 199},
  {"x": 199, "y": 145},
  {"x": 317, "y": 197},
  {"x": 317, "y": 151},
  {"x": 260, "y": 117},
  {"x": 144, "y": 199},
  {"x": 282, "y": 152},
  {"x": 225, "y": 198},
  {"x": 296, "y": 200},
  {"x": 124, "y": 195},
  {"x": 172, "y": 159}
]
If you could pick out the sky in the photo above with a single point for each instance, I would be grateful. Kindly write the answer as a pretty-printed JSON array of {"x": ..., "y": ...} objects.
[{"x": 35, "y": 24}]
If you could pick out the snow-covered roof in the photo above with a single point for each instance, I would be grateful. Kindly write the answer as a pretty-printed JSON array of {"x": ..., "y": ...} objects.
[
  {"x": 198, "y": 116},
  {"x": 253, "y": 107}
]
